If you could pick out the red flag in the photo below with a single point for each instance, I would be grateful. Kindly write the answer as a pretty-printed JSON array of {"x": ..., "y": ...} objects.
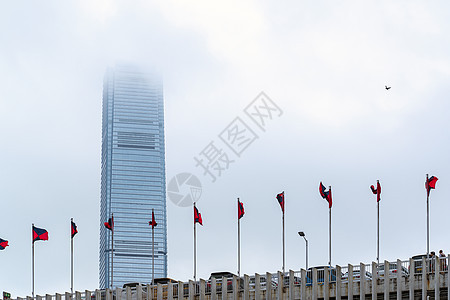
[
  {"x": 197, "y": 216},
  {"x": 74, "y": 228},
  {"x": 153, "y": 222},
  {"x": 39, "y": 234},
  {"x": 377, "y": 191},
  {"x": 3, "y": 244},
  {"x": 240, "y": 209},
  {"x": 280, "y": 198},
  {"x": 110, "y": 224},
  {"x": 326, "y": 194},
  {"x": 430, "y": 184}
]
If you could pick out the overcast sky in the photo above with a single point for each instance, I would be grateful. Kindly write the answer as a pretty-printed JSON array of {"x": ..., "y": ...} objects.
[{"x": 324, "y": 63}]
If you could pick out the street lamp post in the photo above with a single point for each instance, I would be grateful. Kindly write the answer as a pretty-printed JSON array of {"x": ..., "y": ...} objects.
[{"x": 302, "y": 234}]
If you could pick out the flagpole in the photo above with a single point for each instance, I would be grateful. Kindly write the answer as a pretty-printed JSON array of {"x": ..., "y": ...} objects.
[
  {"x": 195, "y": 251},
  {"x": 71, "y": 257},
  {"x": 112, "y": 250},
  {"x": 239, "y": 241},
  {"x": 330, "y": 230},
  {"x": 153, "y": 249},
  {"x": 284, "y": 199},
  {"x": 378, "y": 227},
  {"x": 428, "y": 216},
  {"x": 32, "y": 260}
]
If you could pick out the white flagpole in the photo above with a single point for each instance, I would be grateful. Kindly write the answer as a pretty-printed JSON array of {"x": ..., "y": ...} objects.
[
  {"x": 71, "y": 257},
  {"x": 428, "y": 216},
  {"x": 153, "y": 250},
  {"x": 239, "y": 241},
  {"x": 32, "y": 259},
  {"x": 112, "y": 250},
  {"x": 195, "y": 250},
  {"x": 378, "y": 227},
  {"x": 330, "y": 230},
  {"x": 284, "y": 206}
]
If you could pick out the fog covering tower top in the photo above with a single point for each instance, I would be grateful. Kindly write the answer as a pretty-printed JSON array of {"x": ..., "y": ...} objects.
[{"x": 132, "y": 176}]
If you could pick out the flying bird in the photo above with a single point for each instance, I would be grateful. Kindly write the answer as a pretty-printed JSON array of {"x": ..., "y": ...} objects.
[{"x": 387, "y": 87}]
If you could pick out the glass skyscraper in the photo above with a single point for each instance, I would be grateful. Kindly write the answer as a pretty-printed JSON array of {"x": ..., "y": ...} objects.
[{"x": 133, "y": 177}]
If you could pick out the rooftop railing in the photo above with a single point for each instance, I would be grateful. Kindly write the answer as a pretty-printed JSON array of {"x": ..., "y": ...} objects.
[{"x": 323, "y": 282}]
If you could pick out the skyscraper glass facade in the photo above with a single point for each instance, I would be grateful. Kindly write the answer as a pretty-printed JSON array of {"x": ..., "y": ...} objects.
[{"x": 133, "y": 177}]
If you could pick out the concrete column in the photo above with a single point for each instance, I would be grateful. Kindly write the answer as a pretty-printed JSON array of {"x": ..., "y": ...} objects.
[
  {"x": 411, "y": 278},
  {"x": 159, "y": 291},
  {"x": 191, "y": 290},
  {"x": 246, "y": 287},
  {"x": 77, "y": 296},
  {"x": 127, "y": 293},
  {"x": 338, "y": 283},
  {"x": 224, "y": 286},
  {"x": 350, "y": 282},
  {"x": 29, "y": 298},
  {"x": 362, "y": 281},
  {"x": 291, "y": 285},
  {"x": 149, "y": 292},
  {"x": 118, "y": 294},
  {"x": 258, "y": 286},
  {"x": 180, "y": 290},
  {"x": 87, "y": 293},
  {"x": 213, "y": 289},
  {"x": 303, "y": 281},
  {"x": 47, "y": 297},
  {"x": 399, "y": 279},
  {"x": 280, "y": 287},
  {"x": 386, "y": 280},
  {"x": 268, "y": 286},
  {"x": 448, "y": 275},
  {"x": 424, "y": 278},
  {"x": 98, "y": 295},
  {"x": 67, "y": 296},
  {"x": 326, "y": 284},
  {"x": 139, "y": 292},
  {"x": 170, "y": 291},
  {"x": 374, "y": 280},
  {"x": 437, "y": 277},
  {"x": 202, "y": 289},
  {"x": 314, "y": 284},
  {"x": 235, "y": 285}
]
